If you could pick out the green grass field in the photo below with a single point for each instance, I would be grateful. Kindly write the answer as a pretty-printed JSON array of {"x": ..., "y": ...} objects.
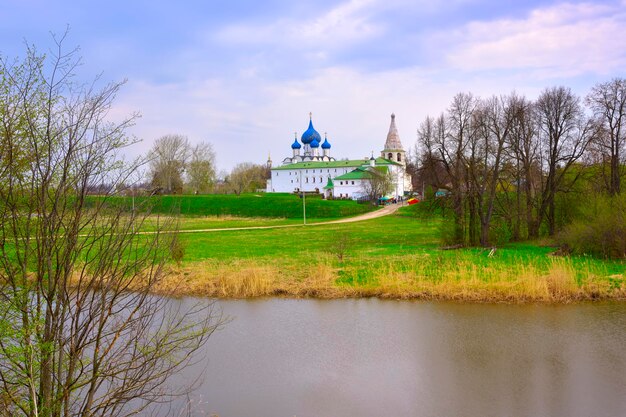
[
  {"x": 397, "y": 255},
  {"x": 393, "y": 256},
  {"x": 371, "y": 240}
]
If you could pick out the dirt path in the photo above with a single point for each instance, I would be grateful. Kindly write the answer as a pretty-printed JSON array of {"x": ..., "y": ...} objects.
[{"x": 385, "y": 211}]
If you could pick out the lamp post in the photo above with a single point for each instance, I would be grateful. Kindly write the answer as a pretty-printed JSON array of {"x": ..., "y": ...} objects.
[
  {"x": 303, "y": 200},
  {"x": 132, "y": 189}
]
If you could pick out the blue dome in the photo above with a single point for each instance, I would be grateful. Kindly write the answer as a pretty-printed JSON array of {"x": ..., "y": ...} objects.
[
  {"x": 310, "y": 134},
  {"x": 296, "y": 144},
  {"x": 315, "y": 143},
  {"x": 326, "y": 144}
]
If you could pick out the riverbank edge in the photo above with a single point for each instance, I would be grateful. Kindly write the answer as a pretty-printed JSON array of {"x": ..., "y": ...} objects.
[{"x": 558, "y": 285}]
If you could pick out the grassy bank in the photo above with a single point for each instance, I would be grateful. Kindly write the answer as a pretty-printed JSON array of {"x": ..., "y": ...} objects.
[
  {"x": 262, "y": 205},
  {"x": 396, "y": 256},
  {"x": 560, "y": 282}
]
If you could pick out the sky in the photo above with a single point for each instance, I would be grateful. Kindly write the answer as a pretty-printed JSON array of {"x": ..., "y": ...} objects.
[{"x": 244, "y": 74}]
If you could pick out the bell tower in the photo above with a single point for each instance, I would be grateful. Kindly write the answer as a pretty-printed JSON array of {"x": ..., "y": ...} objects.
[{"x": 393, "y": 147}]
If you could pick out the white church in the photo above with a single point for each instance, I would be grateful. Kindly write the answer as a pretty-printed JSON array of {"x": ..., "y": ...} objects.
[{"x": 311, "y": 171}]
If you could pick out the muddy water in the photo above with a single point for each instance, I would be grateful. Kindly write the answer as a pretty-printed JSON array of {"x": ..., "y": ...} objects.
[{"x": 396, "y": 358}]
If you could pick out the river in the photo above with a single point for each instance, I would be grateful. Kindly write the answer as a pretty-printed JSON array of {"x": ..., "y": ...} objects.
[{"x": 370, "y": 357}]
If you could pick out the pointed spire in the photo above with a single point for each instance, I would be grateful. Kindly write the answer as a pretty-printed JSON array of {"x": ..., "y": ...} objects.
[{"x": 393, "y": 138}]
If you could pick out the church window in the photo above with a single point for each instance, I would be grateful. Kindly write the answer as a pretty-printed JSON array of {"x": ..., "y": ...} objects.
[
  {"x": 277, "y": 174},
  {"x": 307, "y": 179},
  {"x": 390, "y": 156},
  {"x": 399, "y": 157},
  {"x": 352, "y": 182},
  {"x": 321, "y": 179},
  {"x": 340, "y": 182},
  {"x": 313, "y": 179}
]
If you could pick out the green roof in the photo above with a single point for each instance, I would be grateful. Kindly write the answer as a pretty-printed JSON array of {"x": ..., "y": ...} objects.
[
  {"x": 359, "y": 174},
  {"x": 333, "y": 164},
  {"x": 330, "y": 184}
]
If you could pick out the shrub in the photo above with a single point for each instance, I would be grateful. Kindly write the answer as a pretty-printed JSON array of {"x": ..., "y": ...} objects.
[
  {"x": 177, "y": 250},
  {"x": 600, "y": 230},
  {"x": 448, "y": 229},
  {"x": 500, "y": 232},
  {"x": 341, "y": 245}
]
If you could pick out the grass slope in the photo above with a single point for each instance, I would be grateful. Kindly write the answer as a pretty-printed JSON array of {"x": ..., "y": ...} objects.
[{"x": 273, "y": 205}]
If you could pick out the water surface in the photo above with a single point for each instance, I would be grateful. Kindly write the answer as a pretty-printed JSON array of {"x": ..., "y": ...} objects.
[{"x": 371, "y": 357}]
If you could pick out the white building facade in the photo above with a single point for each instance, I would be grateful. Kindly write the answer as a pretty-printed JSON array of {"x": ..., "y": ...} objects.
[{"x": 312, "y": 170}]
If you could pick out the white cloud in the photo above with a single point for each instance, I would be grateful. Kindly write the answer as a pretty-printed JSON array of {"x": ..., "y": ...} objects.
[
  {"x": 567, "y": 39},
  {"x": 247, "y": 112},
  {"x": 347, "y": 23}
]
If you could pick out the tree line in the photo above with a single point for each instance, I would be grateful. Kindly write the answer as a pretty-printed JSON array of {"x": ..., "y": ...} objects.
[
  {"x": 508, "y": 164},
  {"x": 176, "y": 167}
]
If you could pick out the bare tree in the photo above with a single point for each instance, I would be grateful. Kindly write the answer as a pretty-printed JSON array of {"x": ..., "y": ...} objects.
[
  {"x": 201, "y": 168},
  {"x": 452, "y": 136},
  {"x": 523, "y": 150},
  {"x": 168, "y": 158},
  {"x": 565, "y": 136},
  {"x": 608, "y": 102},
  {"x": 432, "y": 171},
  {"x": 492, "y": 126},
  {"x": 247, "y": 177},
  {"x": 376, "y": 182},
  {"x": 80, "y": 332}
]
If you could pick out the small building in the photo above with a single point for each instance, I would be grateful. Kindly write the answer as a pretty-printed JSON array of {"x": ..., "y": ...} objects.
[{"x": 310, "y": 170}]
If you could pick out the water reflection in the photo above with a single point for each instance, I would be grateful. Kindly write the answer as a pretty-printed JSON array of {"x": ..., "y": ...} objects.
[{"x": 396, "y": 358}]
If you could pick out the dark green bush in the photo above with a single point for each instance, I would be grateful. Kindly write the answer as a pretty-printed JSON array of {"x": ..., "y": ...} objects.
[
  {"x": 600, "y": 230},
  {"x": 500, "y": 232}
]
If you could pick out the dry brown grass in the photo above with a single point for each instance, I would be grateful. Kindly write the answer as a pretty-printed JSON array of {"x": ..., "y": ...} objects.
[{"x": 319, "y": 279}]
